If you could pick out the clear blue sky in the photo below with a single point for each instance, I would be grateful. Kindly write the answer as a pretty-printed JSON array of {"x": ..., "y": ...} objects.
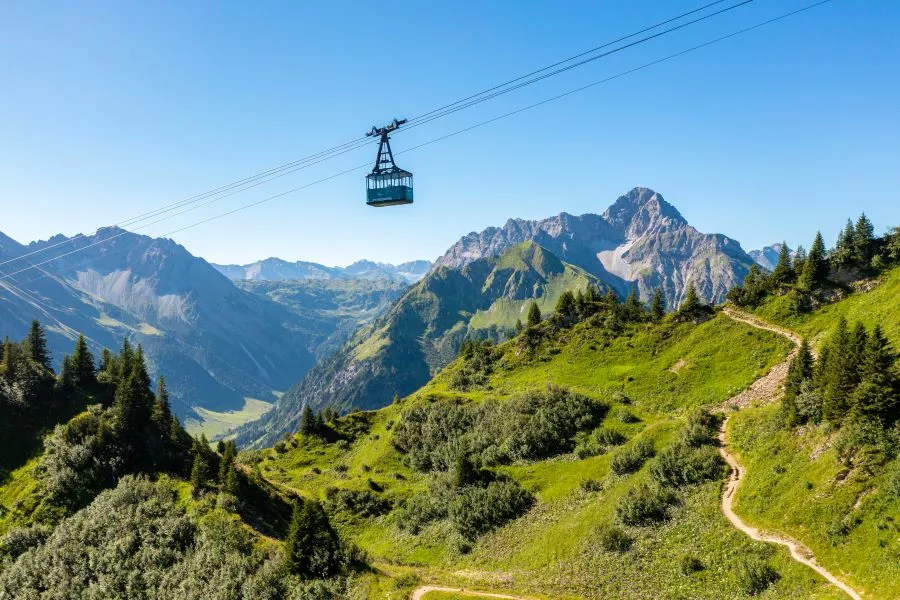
[{"x": 109, "y": 109}]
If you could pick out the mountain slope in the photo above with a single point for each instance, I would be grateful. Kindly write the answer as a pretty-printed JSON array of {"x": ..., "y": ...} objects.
[
  {"x": 276, "y": 269},
  {"x": 217, "y": 344},
  {"x": 640, "y": 241},
  {"x": 767, "y": 257},
  {"x": 422, "y": 332}
]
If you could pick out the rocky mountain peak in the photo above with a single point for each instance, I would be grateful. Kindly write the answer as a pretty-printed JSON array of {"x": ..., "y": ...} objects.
[{"x": 642, "y": 210}]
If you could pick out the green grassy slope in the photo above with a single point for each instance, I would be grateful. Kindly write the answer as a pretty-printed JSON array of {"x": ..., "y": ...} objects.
[
  {"x": 657, "y": 373},
  {"x": 795, "y": 483}
]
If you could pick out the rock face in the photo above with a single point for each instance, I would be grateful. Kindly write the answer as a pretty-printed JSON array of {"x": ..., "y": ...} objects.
[
  {"x": 640, "y": 241},
  {"x": 767, "y": 257},
  {"x": 422, "y": 332},
  {"x": 275, "y": 269}
]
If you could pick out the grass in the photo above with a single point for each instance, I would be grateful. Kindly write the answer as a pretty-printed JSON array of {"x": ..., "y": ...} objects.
[
  {"x": 553, "y": 550},
  {"x": 213, "y": 423},
  {"x": 796, "y": 485},
  {"x": 17, "y": 495}
]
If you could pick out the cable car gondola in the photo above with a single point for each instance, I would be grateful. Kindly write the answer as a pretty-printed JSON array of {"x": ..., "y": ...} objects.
[{"x": 388, "y": 184}]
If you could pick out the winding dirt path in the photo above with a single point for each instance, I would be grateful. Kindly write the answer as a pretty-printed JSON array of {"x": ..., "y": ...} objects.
[
  {"x": 766, "y": 389},
  {"x": 420, "y": 592}
]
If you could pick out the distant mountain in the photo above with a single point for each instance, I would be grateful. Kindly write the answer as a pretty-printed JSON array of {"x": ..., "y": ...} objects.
[
  {"x": 422, "y": 332},
  {"x": 217, "y": 344},
  {"x": 275, "y": 269},
  {"x": 767, "y": 257},
  {"x": 640, "y": 241}
]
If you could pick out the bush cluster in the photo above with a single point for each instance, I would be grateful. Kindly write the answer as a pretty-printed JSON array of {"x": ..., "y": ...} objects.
[{"x": 631, "y": 459}]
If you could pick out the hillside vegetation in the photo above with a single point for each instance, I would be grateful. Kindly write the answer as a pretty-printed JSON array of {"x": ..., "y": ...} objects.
[{"x": 604, "y": 484}]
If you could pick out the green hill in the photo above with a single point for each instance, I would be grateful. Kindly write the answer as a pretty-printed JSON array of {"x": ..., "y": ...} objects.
[{"x": 421, "y": 333}]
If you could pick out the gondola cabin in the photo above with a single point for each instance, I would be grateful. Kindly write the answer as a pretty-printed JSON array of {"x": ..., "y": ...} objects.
[{"x": 388, "y": 184}]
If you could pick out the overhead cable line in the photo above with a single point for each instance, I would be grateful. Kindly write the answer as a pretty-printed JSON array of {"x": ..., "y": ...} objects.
[
  {"x": 316, "y": 158},
  {"x": 477, "y": 125}
]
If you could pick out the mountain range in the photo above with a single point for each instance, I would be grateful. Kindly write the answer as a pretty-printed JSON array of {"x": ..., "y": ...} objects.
[
  {"x": 276, "y": 269},
  {"x": 482, "y": 285},
  {"x": 220, "y": 345},
  {"x": 767, "y": 256}
]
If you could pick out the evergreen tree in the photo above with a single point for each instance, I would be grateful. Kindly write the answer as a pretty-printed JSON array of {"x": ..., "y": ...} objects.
[
  {"x": 634, "y": 308},
  {"x": 518, "y": 326},
  {"x": 800, "y": 370},
  {"x": 838, "y": 374},
  {"x": 591, "y": 295},
  {"x": 783, "y": 272},
  {"x": 133, "y": 399},
  {"x": 83, "y": 364},
  {"x": 201, "y": 470},
  {"x": 126, "y": 357},
  {"x": 312, "y": 548},
  {"x": 799, "y": 260},
  {"x": 162, "y": 408},
  {"x": 815, "y": 269},
  {"x": 226, "y": 464},
  {"x": 319, "y": 423},
  {"x": 878, "y": 394},
  {"x": 35, "y": 345},
  {"x": 67, "y": 376},
  {"x": 657, "y": 305},
  {"x": 307, "y": 421},
  {"x": 842, "y": 255},
  {"x": 690, "y": 304},
  {"x": 9, "y": 360},
  {"x": 534, "y": 315},
  {"x": 565, "y": 306},
  {"x": 861, "y": 242}
]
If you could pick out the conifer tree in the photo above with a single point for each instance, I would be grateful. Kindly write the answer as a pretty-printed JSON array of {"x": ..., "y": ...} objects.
[
  {"x": 877, "y": 394},
  {"x": 307, "y": 421},
  {"x": 838, "y": 374},
  {"x": 657, "y": 305},
  {"x": 842, "y": 256},
  {"x": 800, "y": 370},
  {"x": 534, "y": 315},
  {"x": 126, "y": 357},
  {"x": 799, "y": 261},
  {"x": 85, "y": 373},
  {"x": 67, "y": 373},
  {"x": 634, "y": 308},
  {"x": 691, "y": 301},
  {"x": 861, "y": 243},
  {"x": 226, "y": 464},
  {"x": 565, "y": 306},
  {"x": 518, "y": 326},
  {"x": 35, "y": 345},
  {"x": 312, "y": 548},
  {"x": 9, "y": 360},
  {"x": 815, "y": 269},
  {"x": 783, "y": 272},
  {"x": 201, "y": 469},
  {"x": 162, "y": 408}
]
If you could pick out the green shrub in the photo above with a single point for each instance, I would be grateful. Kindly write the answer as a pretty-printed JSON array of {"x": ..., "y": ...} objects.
[
  {"x": 532, "y": 426},
  {"x": 690, "y": 564},
  {"x": 680, "y": 465},
  {"x": 599, "y": 441},
  {"x": 644, "y": 505},
  {"x": 631, "y": 459},
  {"x": 613, "y": 538},
  {"x": 477, "y": 510},
  {"x": 364, "y": 503},
  {"x": 592, "y": 485},
  {"x": 627, "y": 417},
  {"x": 755, "y": 575}
]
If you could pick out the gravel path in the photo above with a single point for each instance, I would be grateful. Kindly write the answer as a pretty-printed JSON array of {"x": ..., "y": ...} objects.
[{"x": 766, "y": 389}]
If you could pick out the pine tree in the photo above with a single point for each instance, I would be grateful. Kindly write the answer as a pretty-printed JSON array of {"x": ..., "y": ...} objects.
[
  {"x": 162, "y": 408},
  {"x": 800, "y": 370},
  {"x": 83, "y": 364},
  {"x": 200, "y": 470},
  {"x": 518, "y": 326},
  {"x": 799, "y": 261},
  {"x": 35, "y": 345},
  {"x": 307, "y": 421},
  {"x": 877, "y": 394},
  {"x": 312, "y": 548},
  {"x": 534, "y": 315},
  {"x": 815, "y": 269},
  {"x": 126, "y": 357},
  {"x": 9, "y": 360},
  {"x": 319, "y": 423},
  {"x": 67, "y": 376},
  {"x": 634, "y": 308},
  {"x": 690, "y": 304},
  {"x": 783, "y": 272},
  {"x": 226, "y": 464},
  {"x": 657, "y": 305},
  {"x": 861, "y": 242},
  {"x": 565, "y": 306},
  {"x": 838, "y": 374},
  {"x": 842, "y": 256}
]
